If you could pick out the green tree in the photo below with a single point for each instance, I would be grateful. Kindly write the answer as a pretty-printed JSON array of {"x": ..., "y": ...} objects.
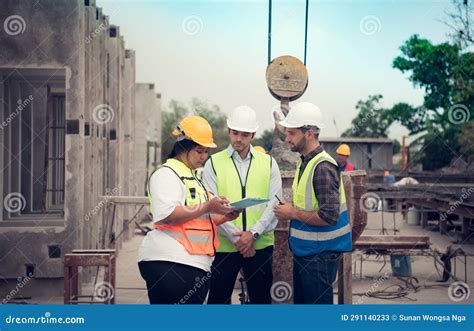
[
  {"x": 265, "y": 140},
  {"x": 371, "y": 121},
  {"x": 216, "y": 119},
  {"x": 446, "y": 74},
  {"x": 170, "y": 118},
  {"x": 176, "y": 111}
]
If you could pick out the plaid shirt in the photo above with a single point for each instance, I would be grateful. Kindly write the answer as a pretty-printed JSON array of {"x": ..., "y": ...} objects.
[{"x": 325, "y": 185}]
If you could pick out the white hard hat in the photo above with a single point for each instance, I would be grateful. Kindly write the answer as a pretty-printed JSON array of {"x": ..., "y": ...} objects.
[
  {"x": 243, "y": 118},
  {"x": 303, "y": 114}
]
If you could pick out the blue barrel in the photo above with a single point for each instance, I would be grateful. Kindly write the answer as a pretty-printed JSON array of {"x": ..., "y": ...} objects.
[
  {"x": 388, "y": 180},
  {"x": 401, "y": 265}
]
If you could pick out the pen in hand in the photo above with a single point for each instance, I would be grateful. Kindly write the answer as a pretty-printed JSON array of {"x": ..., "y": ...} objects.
[{"x": 279, "y": 201}]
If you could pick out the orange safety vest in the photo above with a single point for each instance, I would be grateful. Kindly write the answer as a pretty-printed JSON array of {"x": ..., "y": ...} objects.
[{"x": 199, "y": 235}]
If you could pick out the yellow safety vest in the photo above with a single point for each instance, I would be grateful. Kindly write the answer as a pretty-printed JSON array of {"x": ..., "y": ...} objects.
[
  {"x": 257, "y": 185},
  {"x": 307, "y": 239}
]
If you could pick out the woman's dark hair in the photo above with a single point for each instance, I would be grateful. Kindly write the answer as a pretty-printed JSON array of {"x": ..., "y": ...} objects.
[{"x": 182, "y": 146}]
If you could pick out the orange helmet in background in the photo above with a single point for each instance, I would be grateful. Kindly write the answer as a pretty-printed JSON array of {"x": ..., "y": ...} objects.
[
  {"x": 260, "y": 149},
  {"x": 343, "y": 149}
]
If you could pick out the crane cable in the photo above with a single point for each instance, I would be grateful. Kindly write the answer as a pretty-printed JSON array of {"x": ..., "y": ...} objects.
[{"x": 270, "y": 31}]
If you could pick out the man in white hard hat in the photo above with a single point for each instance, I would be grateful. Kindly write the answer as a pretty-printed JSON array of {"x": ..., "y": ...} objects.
[
  {"x": 319, "y": 228},
  {"x": 247, "y": 242}
]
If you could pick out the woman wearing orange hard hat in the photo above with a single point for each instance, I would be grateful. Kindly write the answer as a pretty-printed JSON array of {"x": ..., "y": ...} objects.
[{"x": 175, "y": 258}]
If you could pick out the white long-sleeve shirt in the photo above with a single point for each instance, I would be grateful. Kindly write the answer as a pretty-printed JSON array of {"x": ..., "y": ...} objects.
[{"x": 268, "y": 221}]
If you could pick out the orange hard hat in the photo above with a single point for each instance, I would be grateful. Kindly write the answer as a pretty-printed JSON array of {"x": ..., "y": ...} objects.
[
  {"x": 260, "y": 149},
  {"x": 196, "y": 129},
  {"x": 343, "y": 149}
]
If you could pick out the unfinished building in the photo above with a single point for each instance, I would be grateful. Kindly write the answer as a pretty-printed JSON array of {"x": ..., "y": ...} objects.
[{"x": 70, "y": 132}]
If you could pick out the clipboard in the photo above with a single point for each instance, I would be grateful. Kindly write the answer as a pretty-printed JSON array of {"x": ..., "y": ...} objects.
[{"x": 248, "y": 202}]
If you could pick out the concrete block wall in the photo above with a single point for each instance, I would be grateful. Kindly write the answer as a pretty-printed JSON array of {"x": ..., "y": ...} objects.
[
  {"x": 54, "y": 40},
  {"x": 101, "y": 99},
  {"x": 147, "y": 115}
]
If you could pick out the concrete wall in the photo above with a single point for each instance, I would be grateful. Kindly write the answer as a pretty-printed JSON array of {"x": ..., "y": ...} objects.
[
  {"x": 125, "y": 136},
  {"x": 147, "y": 115},
  {"x": 38, "y": 47},
  {"x": 105, "y": 149}
]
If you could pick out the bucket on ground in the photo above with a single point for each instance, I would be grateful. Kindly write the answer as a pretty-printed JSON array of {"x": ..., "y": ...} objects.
[{"x": 401, "y": 265}]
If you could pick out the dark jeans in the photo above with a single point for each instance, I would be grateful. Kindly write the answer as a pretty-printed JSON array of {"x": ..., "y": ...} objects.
[
  {"x": 313, "y": 276},
  {"x": 170, "y": 283},
  {"x": 257, "y": 272}
]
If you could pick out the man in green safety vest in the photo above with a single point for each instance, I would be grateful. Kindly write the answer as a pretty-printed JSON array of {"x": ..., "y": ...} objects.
[
  {"x": 319, "y": 228},
  {"x": 247, "y": 242}
]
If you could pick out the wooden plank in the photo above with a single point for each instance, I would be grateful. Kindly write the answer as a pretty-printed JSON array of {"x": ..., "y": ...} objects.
[
  {"x": 67, "y": 285},
  {"x": 88, "y": 260},
  {"x": 131, "y": 200},
  {"x": 93, "y": 251},
  {"x": 394, "y": 238},
  {"x": 392, "y": 242},
  {"x": 344, "y": 280}
]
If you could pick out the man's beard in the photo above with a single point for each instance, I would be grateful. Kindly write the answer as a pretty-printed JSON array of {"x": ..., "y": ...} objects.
[{"x": 299, "y": 147}]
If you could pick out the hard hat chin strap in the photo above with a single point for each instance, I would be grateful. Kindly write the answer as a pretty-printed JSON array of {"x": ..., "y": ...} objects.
[{"x": 182, "y": 135}]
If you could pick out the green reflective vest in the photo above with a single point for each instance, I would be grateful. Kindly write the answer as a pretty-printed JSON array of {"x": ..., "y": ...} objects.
[{"x": 257, "y": 185}]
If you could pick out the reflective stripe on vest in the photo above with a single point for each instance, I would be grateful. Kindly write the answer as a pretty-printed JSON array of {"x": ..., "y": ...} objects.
[
  {"x": 198, "y": 236},
  {"x": 321, "y": 236},
  {"x": 307, "y": 239},
  {"x": 257, "y": 185}
]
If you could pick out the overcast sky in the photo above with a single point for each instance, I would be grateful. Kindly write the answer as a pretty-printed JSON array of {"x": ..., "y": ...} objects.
[{"x": 217, "y": 50}]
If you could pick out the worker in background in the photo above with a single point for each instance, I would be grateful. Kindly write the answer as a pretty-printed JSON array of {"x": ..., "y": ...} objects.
[
  {"x": 247, "y": 242},
  {"x": 178, "y": 253},
  {"x": 343, "y": 152},
  {"x": 319, "y": 230}
]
